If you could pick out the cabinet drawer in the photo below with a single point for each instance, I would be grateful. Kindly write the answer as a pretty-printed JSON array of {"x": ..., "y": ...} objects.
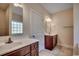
[
  {"x": 34, "y": 45},
  {"x": 25, "y": 50}
]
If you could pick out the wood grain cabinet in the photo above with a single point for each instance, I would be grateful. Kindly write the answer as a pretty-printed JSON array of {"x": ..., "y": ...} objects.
[
  {"x": 50, "y": 41},
  {"x": 13, "y": 53},
  {"x": 25, "y": 50},
  {"x": 30, "y": 50},
  {"x": 34, "y": 49}
]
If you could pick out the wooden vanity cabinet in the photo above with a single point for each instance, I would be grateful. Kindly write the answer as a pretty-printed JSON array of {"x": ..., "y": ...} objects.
[
  {"x": 25, "y": 50},
  {"x": 30, "y": 50},
  {"x": 50, "y": 41},
  {"x": 19, "y": 52},
  {"x": 34, "y": 49},
  {"x": 13, "y": 53}
]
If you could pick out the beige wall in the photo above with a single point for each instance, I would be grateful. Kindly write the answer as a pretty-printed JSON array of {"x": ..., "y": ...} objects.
[
  {"x": 62, "y": 25},
  {"x": 2, "y": 22},
  {"x": 4, "y": 25}
]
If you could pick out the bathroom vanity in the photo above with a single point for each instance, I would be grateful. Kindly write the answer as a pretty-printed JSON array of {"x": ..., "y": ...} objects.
[
  {"x": 50, "y": 41},
  {"x": 30, "y": 50},
  {"x": 24, "y": 48}
]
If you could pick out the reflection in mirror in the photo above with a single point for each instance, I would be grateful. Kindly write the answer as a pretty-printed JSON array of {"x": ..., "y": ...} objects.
[
  {"x": 17, "y": 19},
  {"x": 4, "y": 19}
]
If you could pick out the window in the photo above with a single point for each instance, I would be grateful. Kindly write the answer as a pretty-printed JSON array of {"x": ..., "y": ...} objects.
[{"x": 17, "y": 27}]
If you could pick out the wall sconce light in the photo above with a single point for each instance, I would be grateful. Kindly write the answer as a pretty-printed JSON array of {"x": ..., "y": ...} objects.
[
  {"x": 17, "y": 5},
  {"x": 48, "y": 19}
]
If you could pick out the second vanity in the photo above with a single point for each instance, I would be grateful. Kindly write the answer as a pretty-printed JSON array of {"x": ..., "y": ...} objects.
[{"x": 20, "y": 48}]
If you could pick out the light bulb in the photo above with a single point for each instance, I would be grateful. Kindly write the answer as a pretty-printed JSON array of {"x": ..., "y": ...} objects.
[{"x": 48, "y": 20}]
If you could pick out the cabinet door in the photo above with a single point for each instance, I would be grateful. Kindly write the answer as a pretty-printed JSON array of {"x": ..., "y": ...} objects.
[
  {"x": 34, "y": 49},
  {"x": 34, "y": 45},
  {"x": 49, "y": 42},
  {"x": 54, "y": 40},
  {"x": 34, "y": 52},
  {"x": 25, "y": 50}
]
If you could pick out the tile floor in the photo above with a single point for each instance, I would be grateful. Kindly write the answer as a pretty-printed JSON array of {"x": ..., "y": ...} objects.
[{"x": 54, "y": 52}]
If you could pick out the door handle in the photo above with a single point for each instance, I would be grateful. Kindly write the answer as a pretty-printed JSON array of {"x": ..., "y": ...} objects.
[{"x": 33, "y": 36}]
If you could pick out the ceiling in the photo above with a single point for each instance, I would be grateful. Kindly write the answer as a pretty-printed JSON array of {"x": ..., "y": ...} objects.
[
  {"x": 51, "y": 7},
  {"x": 56, "y": 7}
]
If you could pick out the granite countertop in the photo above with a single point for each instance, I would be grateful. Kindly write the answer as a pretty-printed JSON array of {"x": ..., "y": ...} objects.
[
  {"x": 51, "y": 34},
  {"x": 6, "y": 48}
]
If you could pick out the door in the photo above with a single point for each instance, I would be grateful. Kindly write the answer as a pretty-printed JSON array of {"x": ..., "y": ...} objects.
[{"x": 37, "y": 28}]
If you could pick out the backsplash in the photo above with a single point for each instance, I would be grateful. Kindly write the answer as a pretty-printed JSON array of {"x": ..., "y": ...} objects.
[{"x": 17, "y": 37}]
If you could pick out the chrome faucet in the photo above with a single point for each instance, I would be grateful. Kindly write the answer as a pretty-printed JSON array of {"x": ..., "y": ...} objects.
[{"x": 9, "y": 40}]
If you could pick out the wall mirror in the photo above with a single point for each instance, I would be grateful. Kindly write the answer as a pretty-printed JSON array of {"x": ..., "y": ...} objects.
[
  {"x": 17, "y": 19},
  {"x": 4, "y": 19}
]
